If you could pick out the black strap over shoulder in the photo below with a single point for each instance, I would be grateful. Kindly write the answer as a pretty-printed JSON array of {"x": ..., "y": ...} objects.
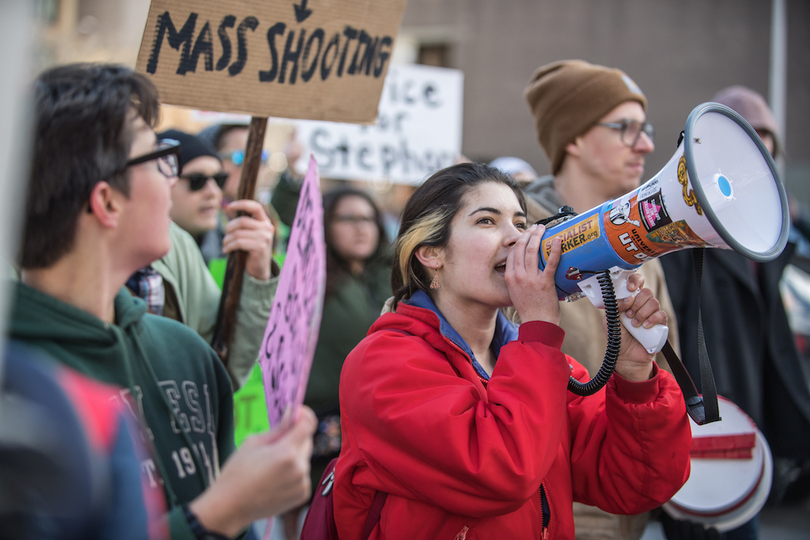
[{"x": 702, "y": 409}]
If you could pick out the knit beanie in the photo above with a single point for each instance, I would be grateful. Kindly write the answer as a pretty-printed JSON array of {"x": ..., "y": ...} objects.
[
  {"x": 568, "y": 97},
  {"x": 191, "y": 146},
  {"x": 751, "y": 106}
]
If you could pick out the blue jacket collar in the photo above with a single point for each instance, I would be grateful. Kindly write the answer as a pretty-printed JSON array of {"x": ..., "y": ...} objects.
[{"x": 505, "y": 331}]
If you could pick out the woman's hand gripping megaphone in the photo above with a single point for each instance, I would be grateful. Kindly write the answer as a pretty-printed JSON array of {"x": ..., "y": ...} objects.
[{"x": 653, "y": 338}]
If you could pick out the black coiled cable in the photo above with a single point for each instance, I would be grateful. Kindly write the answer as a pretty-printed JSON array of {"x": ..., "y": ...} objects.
[{"x": 614, "y": 341}]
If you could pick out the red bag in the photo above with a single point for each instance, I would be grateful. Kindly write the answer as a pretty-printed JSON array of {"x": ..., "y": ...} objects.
[{"x": 319, "y": 523}]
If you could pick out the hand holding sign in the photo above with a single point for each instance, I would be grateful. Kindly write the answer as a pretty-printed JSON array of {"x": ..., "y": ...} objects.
[{"x": 292, "y": 331}]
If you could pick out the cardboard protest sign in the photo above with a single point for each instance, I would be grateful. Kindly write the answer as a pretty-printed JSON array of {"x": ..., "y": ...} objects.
[
  {"x": 321, "y": 60},
  {"x": 418, "y": 130},
  {"x": 295, "y": 319}
]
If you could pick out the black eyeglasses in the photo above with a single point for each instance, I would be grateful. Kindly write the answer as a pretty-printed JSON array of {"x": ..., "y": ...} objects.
[
  {"x": 167, "y": 154},
  {"x": 631, "y": 130},
  {"x": 197, "y": 181}
]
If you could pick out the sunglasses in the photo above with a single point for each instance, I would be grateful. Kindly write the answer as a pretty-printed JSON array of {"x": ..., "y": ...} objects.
[
  {"x": 238, "y": 156},
  {"x": 197, "y": 181}
]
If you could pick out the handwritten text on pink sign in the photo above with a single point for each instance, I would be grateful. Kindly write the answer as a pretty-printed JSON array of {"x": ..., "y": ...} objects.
[{"x": 292, "y": 330}]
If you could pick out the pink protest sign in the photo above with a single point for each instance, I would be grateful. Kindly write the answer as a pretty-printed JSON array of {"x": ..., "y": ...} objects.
[{"x": 292, "y": 330}]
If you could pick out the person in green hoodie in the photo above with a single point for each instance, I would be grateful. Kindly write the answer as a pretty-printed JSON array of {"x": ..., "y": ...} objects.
[{"x": 97, "y": 210}]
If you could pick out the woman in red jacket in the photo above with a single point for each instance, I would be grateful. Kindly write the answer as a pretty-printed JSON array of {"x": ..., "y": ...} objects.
[{"x": 464, "y": 420}]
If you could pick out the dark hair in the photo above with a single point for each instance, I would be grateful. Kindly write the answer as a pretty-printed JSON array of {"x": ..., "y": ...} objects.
[
  {"x": 428, "y": 215},
  {"x": 215, "y": 133},
  {"x": 82, "y": 136},
  {"x": 337, "y": 268}
]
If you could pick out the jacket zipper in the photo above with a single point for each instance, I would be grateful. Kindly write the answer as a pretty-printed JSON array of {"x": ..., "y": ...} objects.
[
  {"x": 457, "y": 348},
  {"x": 546, "y": 512}
]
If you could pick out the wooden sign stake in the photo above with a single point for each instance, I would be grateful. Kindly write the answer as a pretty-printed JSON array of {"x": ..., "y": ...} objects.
[{"x": 235, "y": 268}]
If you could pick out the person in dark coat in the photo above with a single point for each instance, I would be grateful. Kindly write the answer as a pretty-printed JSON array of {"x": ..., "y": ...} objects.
[{"x": 748, "y": 338}]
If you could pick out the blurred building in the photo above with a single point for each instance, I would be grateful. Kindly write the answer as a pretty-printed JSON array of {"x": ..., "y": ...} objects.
[{"x": 680, "y": 53}]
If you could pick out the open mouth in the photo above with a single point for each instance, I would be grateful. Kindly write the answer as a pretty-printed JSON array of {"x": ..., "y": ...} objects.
[{"x": 501, "y": 268}]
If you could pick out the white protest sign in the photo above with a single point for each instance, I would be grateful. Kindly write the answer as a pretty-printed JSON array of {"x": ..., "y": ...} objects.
[
  {"x": 418, "y": 130},
  {"x": 295, "y": 319}
]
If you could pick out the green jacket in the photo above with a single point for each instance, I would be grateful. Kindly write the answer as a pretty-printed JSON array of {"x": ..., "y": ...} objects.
[
  {"x": 347, "y": 315},
  {"x": 184, "y": 270},
  {"x": 171, "y": 380}
]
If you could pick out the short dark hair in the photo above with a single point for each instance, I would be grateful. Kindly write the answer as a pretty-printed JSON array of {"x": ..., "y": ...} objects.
[
  {"x": 82, "y": 136},
  {"x": 428, "y": 215},
  {"x": 215, "y": 133}
]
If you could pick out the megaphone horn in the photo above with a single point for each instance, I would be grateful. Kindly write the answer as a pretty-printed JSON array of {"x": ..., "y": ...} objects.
[{"x": 720, "y": 189}]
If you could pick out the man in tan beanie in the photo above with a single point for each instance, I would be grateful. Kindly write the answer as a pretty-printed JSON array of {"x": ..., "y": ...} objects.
[{"x": 591, "y": 122}]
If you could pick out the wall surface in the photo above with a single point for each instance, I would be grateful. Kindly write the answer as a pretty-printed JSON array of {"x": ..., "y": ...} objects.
[{"x": 680, "y": 54}]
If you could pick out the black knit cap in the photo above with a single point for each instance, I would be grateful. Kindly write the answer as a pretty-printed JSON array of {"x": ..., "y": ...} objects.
[{"x": 191, "y": 146}]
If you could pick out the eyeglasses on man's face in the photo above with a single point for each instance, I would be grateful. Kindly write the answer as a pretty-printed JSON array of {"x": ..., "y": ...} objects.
[
  {"x": 197, "y": 181},
  {"x": 167, "y": 156},
  {"x": 238, "y": 156},
  {"x": 631, "y": 130}
]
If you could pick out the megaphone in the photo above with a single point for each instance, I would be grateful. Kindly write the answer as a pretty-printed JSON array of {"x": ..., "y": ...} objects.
[{"x": 720, "y": 189}]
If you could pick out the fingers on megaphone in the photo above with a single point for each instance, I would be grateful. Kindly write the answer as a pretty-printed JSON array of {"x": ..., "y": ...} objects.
[
  {"x": 554, "y": 256},
  {"x": 644, "y": 309},
  {"x": 533, "y": 247}
]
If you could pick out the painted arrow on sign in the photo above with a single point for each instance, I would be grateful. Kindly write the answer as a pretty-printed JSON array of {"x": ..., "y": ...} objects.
[{"x": 301, "y": 12}]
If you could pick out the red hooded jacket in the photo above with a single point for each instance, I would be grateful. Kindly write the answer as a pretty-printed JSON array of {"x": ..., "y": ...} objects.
[{"x": 462, "y": 457}]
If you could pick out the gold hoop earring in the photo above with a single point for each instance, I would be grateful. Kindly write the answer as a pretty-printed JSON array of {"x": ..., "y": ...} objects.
[{"x": 435, "y": 283}]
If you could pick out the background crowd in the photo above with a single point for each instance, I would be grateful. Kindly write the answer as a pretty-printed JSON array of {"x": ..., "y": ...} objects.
[{"x": 99, "y": 260}]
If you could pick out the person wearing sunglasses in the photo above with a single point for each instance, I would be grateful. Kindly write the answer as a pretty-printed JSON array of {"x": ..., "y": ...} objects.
[
  {"x": 197, "y": 195},
  {"x": 591, "y": 122},
  {"x": 230, "y": 142},
  {"x": 189, "y": 293}
]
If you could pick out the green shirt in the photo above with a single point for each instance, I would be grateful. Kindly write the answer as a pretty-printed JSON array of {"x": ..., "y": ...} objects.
[{"x": 348, "y": 313}]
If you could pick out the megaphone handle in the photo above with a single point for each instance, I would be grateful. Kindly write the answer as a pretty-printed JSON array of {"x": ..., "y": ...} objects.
[{"x": 652, "y": 339}]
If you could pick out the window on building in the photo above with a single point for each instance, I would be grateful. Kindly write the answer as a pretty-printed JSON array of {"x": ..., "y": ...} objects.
[
  {"x": 434, "y": 54},
  {"x": 47, "y": 11}
]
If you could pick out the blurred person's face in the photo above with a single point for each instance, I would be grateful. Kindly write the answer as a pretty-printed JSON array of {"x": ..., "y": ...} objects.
[
  {"x": 233, "y": 140},
  {"x": 196, "y": 210},
  {"x": 144, "y": 228},
  {"x": 604, "y": 156},
  {"x": 353, "y": 233}
]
